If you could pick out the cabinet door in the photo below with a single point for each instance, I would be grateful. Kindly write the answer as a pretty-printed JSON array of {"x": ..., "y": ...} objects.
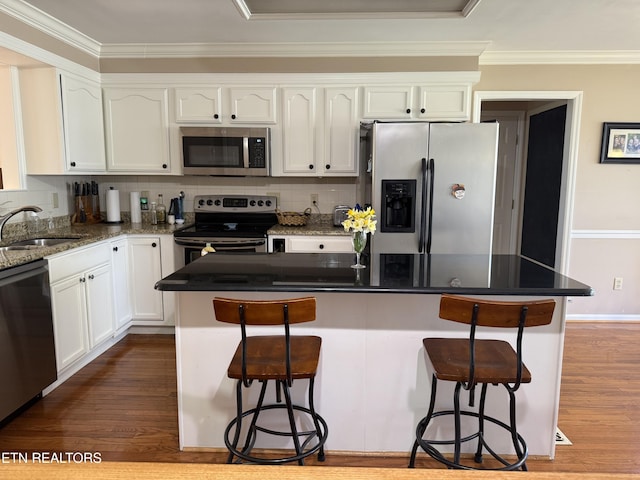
[
  {"x": 99, "y": 291},
  {"x": 198, "y": 105},
  {"x": 341, "y": 131},
  {"x": 299, "y": 130},
  {"x": 83, "y": 125},
  {"x": 388, "y": 102},
  {"x": 445, "y": 102},
  {"x": 137, "y": 129},
  {"x": 121, "y": 291},
  {"x": 145, "y": 271},
  {"x": 252, "y": 105},
  {"x": 69, "y": 308}
]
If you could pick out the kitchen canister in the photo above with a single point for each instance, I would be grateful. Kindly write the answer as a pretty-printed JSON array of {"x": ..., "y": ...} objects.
[
  {"x": 136, "y": 213},
  {"x": 113, "y": 205}
]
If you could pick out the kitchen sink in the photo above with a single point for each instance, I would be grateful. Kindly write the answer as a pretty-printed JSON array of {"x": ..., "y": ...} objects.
[{"x": 39, "y": 242}]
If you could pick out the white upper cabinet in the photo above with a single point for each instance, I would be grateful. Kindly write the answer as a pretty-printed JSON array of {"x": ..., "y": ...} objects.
[
  {"x": 252, "y": 104},
  {"x": 62, "y": 123},
  {"x": 137, "y": 129},
  {"x": 299, "y": 130},
  {"x": 382, "y": 102},
  {"x": 226, "y": 105},
  {"x": 438, "y": 102},
  {"x": 341, "y": 129},
  {"x": 198, "y": 105},
  {"x": 319, "y": 132}
]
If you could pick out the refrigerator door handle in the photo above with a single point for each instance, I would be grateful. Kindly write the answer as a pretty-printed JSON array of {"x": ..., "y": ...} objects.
[
  {"x": 423, "y": 209},
  {"x": 431, "y": 170}
]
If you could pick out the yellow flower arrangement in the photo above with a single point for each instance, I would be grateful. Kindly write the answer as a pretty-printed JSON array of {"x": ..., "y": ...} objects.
[{"x": 359, "y": 220}]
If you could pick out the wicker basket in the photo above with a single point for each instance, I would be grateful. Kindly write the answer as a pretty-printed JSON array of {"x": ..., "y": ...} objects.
[{"x": 293, "y": 219}]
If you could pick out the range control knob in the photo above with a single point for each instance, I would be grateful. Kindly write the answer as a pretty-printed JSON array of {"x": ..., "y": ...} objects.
[
  {"x": 252, "y": 203},
  {"x": 201, "y": 202},
  {"x": 268, "y": 203},
  {"x": 218, "y": 203},
  {"x": 260, "y": 203},
  {"x": 209, "y": 202}
]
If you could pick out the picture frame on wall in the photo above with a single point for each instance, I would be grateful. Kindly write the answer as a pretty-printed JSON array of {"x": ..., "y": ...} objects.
[{"x": 620, "y": 143}]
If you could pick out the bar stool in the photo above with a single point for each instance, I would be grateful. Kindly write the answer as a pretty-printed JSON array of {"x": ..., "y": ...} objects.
[
  {"x": 470, "y": 362},
  {"x": 282, "y": 358}
]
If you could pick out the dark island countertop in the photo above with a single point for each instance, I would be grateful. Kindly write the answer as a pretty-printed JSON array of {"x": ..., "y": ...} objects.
[{"x": 385, "y": 273}]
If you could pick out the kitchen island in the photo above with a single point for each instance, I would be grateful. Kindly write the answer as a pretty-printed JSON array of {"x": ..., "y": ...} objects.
[{"x": 372, "y": 386}]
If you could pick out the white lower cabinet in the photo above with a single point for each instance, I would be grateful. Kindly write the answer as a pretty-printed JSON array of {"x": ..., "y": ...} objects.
[
  {"x": 312, "y": 243},
  {"x": 82, "y": 301},
  {"x": 145, "y": 269},
  {"x": 121, "y": 290}
]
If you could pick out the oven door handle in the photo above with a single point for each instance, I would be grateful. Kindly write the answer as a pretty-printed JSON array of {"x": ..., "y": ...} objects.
[
  {"x": 219, "y": 243},
  {"x": 189, "y": 242}
]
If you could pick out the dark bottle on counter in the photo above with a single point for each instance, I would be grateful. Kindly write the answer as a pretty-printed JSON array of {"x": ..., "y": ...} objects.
[{"x": 161, "y": 210}]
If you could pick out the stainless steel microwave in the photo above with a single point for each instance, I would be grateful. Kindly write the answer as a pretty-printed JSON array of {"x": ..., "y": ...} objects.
[{"x": 229, "y": 151}]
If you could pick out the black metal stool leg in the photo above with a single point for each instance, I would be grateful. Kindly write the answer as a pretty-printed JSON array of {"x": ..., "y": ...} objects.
[
  {"x": 251, "y": 433},
  {"x": 314, "y": 415},
  {"x": 292, "y": 421},
  {"x": 483, "y": 396},
  {"x": 422, "y": 425},
  {"x": 514, "y": 430},
  {"x": 456, "y": 422},
  {"x": 236, "y": 435}
]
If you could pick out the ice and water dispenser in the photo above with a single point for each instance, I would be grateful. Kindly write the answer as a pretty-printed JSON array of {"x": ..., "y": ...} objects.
[{"x": 399, "y": 206}]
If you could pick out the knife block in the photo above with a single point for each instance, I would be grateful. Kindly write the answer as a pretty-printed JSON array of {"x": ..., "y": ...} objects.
[{"x": 87, "y": 209}]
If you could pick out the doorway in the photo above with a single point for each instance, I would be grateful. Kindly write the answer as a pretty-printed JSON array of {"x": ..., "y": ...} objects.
[{"x": 558, "y": 243}]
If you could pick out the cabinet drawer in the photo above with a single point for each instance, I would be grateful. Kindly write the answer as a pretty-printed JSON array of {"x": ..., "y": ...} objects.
[
  {"x": 78, "y": 260},
  {"x": 317, "y": 244}
]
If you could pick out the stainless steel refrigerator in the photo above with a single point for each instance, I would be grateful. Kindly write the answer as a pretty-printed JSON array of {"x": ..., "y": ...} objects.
[{"x": 433, "y": 185}]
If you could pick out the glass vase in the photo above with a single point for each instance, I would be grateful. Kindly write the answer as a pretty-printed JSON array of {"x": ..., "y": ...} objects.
[{"x": 359, "y": 241}]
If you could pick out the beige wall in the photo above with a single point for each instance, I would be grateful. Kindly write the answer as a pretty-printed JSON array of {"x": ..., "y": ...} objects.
[
  {"x": 607, "y": 197},
  {"x": 290, "y": 65}
]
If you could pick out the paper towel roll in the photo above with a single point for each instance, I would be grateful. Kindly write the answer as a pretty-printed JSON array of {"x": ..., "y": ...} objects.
[
  {"x": 113, "y": 205},
  {"x": 136, "y": 214}
]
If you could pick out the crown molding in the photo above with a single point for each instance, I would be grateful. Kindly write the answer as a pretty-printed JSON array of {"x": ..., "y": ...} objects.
[
  {"x": 36, "y": 18},
  {"x": 568, "y": 57},
  {"x": 319, "y": 49}
]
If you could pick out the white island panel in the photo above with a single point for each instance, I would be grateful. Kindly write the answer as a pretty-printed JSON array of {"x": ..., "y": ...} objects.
[{"x": 372, "y": 387}]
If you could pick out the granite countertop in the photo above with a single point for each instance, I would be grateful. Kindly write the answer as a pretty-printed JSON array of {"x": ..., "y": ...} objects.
[
  {"x": 81, "y": 235},
  {"x": 385, "y": 273}
]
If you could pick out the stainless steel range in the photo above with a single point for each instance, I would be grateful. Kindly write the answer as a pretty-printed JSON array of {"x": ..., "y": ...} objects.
[{"x": 236, "y": 223}]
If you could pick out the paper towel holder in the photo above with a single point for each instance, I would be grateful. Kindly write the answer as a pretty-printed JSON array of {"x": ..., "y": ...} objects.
[{"x": 113, "y": 222}]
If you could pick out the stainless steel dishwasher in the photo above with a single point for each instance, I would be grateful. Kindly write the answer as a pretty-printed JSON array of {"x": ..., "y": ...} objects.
[{"x": 27, "y": 352}]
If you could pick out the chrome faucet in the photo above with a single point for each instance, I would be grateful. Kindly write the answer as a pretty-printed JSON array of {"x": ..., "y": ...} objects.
[{"x": 5, "y": 218}]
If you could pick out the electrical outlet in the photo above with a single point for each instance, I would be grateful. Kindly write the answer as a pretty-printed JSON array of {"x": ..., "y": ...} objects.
[
  {"x": 54, "y": 200},
  {"x": 617, "y": 283},
  {"x": 314, "y": 199}
]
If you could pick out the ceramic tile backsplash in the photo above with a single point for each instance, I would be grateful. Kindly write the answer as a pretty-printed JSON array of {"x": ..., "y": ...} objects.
[
  {"x": 294, "y": 194},
  {"x": 54, "y": 193}
]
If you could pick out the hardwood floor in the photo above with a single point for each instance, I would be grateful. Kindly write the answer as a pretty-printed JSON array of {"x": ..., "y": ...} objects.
[{"x": 123, "y": 405}]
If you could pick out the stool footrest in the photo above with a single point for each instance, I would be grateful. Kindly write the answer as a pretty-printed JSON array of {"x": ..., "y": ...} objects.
[
  {"x": 306, "y": 449},
  {"x": 431, "y": 450}
]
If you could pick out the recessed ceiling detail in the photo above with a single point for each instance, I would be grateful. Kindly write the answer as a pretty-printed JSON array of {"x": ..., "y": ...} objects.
[{"x": 353, "y": 9}]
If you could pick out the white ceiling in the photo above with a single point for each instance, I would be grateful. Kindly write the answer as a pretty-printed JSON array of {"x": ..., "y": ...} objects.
[{"x": 535, "y": 28}]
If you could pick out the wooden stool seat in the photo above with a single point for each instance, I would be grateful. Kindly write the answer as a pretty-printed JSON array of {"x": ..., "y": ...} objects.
[
  {"x": 495, "y": 360},
  {"x": 281, "y": 358},
  {"x": 266, "y": 358},
  {"x": 471, "y": 362}
]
